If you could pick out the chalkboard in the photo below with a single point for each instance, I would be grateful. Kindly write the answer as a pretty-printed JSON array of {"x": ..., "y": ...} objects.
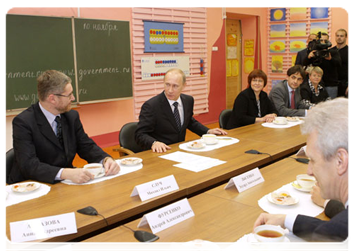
[
  {"x": 103, "y": 59},
  {"x": 94, "y": 53},
  {"x": 35, "y": 44}
]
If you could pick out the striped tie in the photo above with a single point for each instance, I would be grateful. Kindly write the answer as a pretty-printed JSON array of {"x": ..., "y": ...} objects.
[
  {"x": 59, "y": 130},
  {"x": 176, "y": 114}
]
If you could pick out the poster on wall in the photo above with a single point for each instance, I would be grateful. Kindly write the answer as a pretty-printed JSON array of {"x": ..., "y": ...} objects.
[
  {"x": 277, "y": 63},
  {"x": 278, "y": 14},
  {"x": 277, "y": 46},
  {"x": 297, "y": 45},
  {"x": 156, "y": 67},
  {"x": 163, "y": 37},
  {"x": 277, "y": 30},
  {"x": 248, "y": 64},
  {"x": 249, "y": 47},
  {"x": 297, "y": 14},
  {"x": 319, "y": 27},
  {"x": 319, "y": 13},
  {"x": 298, "y": 30}
]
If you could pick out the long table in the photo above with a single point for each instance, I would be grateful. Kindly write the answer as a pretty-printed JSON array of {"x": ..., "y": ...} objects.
[
  {"x": 221, "y": 215},
  {"x": 112, "y": 197}
]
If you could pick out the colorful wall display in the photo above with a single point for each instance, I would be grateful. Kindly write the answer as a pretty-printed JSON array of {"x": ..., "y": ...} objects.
[
  {"x": 319, "y": 13},
  {"x": 319, "y": 27},
  {"x": 248, "y": 64},
  {"x": 231, "y": 39},
  {"x": 298, "y": 30},
  {"x": 277, "y": 63},
  {"x": 297, "y": 45},
  {"x": 277, "y": 30},
  {"x": 163, "y": 37},
  {"x": 278, "y": 14},
  {"x": 249, "y": 47},
  {"x": 156, "y": 67},
  {"x": 297, "y": 13},
  {"x": 277, "y": 46}
]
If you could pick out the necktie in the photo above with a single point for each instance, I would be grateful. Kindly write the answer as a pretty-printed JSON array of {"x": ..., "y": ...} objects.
[
  {"x": 59, "y": 130},
  {"x": 292, "y": 99},
  {"x": 176, "y": 115}
]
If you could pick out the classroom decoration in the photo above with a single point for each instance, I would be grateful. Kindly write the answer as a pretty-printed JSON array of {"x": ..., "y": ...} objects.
[
  {"x": 297, "y": 45},
  {"x": 319, "y": 27},
  {"x": 248, "y": 64},
  {"x": 249, "y": 47},
  {"x": 156, "y": 67},
  {"x": 319, "y": 12},
  {"x": 277, "y": 46},
  {"x": 277, "y": 14},
  {"x": 277, "y": 30},
  {"x": 231, "y": 39},
  {"x": 95, "y": 54},
  {"x": 298, "y": 30},
  {"x": 277, "y": 63},
  {"x": 297, "y": 14},
  {"x": 163, "y": 37}
]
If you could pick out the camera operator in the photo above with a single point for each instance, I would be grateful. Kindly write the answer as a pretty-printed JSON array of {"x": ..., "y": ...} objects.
[
  {"x": 327, "y": 59},
  {"x": 342, "y": 47}
]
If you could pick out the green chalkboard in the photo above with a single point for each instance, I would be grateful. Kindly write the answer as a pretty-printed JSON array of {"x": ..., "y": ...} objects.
[
  {"x": 103, "y": 59},
  {"x": 35, "y": 44},
  {"x": 94, "y": 53}
]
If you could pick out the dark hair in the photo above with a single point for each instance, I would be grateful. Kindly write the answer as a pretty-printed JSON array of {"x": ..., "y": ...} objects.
[
  {"x": 296, "y": 69},
  {"x": 257, "y": 73}
]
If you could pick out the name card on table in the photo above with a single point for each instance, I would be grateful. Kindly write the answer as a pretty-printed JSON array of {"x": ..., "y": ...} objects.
[
  {"x": 168, "y": 216},
  {"x": 155, "y": 188},
  {"x": 41, "y": 228},
  {"x": 246, "y": 180}
]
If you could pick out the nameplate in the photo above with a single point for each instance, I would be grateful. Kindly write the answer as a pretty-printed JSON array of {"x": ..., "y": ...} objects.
[
  {"x": 155, "y": 188},
  {"x": 246, "y": 180},
  {"x": 168, "y": 216},
  {"x": 41, "y": 228}
]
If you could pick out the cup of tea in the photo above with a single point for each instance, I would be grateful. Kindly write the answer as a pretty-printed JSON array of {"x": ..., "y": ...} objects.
[
  {"x": 94, "y": 168},
  {"x": 306, "y": 181},
  {"x": 209, "y": 139},
  {"x": 269, "y": 233},
  {"x": 280, "y": 121}
]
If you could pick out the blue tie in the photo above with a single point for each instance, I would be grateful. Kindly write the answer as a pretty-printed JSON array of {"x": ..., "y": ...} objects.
[
  {"x": 176, "y": 115},
  {"x": 59, "y": 130}
]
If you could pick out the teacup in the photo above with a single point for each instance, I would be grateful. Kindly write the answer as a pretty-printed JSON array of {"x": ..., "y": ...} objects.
[
  {"x": 280, "y": 121},
  {"x": 94, "y": 168},
  {"x": 306, "y": 181},
  {"x": 269, "y": 233},
  {"x": 209, "y": 139}
]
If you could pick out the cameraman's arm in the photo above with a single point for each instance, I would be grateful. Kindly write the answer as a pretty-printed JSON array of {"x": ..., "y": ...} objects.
[
  {"x": 308, "y": 60},
  {"x": 335, "y": 58}
]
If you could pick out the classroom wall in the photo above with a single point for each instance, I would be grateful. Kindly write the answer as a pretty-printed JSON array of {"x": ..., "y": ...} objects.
[{"x": 103, "y": 121}]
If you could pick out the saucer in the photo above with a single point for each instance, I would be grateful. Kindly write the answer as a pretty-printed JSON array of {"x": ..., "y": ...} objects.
[
  {"x": 190, "y": 244},
  {"x": 100, "y": 175},
  {"x": 270, "y": 199},
  {"x": 282, "y": 246},
  {"x": 252, "y": 238},
  {"x": 300, "y": 188},
  {"x": 213, "y": 143}
]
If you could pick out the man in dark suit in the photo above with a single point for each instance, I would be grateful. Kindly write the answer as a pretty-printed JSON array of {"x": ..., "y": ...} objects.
[
  {"x": 285, "y": 102},
  {"x": 164, "y": 119},
  {"x": 327, "y": 147},
  {"x": 45, "y": 145},
  {"x": 301, "y": 55}
]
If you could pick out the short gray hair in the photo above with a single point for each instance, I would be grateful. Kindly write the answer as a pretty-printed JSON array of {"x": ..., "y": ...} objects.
[
  {"x": 177, "y": 70},
  {"x": 330, "y": 120}
]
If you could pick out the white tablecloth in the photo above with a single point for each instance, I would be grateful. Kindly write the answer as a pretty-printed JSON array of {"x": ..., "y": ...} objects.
[
  {"x": 288, "y": 125},
  {"x": 222, "y": 141},
  {"x": 15, "y": 197}
]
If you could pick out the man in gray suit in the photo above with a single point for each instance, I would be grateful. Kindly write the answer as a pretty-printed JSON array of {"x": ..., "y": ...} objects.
[
  {"x": 326, "y": 128},
  {"x": 286, "y": 95}
]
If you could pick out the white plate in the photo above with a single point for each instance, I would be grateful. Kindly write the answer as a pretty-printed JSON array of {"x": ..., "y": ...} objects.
[
  {"x": 292, "y": 119},
  {"x": 300, "y": 188},
  {"x": 283, "y": 246},
  {"x": 190, "y": 244},
  {"x": 199, "y": 146},
  {"x": 269, "y": 197},
  {"x": 100, "y": 175},
  {"x": 25, "y": 187},
  {"x": 132, "y": 161}
]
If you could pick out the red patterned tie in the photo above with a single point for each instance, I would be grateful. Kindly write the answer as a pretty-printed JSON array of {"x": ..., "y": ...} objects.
[{"x": 292, "y": 99}]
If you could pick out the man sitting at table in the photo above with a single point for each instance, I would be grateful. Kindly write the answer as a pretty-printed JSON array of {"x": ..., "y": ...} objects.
[
  {"x": 48, "y": 134},
  {"x": 327, "y": 148},
  {"x": 164, "y": 119},
  {"x": 286, "y": 95}
]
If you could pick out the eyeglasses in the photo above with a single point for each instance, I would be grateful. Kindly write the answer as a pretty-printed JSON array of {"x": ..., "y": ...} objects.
[{"x": 66, "y": 96}]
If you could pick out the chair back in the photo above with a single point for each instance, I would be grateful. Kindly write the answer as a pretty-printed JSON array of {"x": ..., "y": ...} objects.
[
  {"x": 224, "y": 117},
  {"x": 127, "y": 137},
  {"x": 10, "y": 155}
]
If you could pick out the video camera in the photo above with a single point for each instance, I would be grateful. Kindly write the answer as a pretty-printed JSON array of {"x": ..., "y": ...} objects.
[{"x": 322, "y": 49}]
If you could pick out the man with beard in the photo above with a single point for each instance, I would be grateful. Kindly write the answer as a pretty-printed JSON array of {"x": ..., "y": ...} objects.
[{"x": 47, "y": 136}]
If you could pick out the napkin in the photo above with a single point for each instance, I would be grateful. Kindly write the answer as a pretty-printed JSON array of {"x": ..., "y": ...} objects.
[
  {"x": 242, "y": 243},
  {"x": 14, "y": 197},
  {"x": 123, "y": 170},
  {"x": 305, "y": 205},
  {"x": 222, "y": 141},
  {"x": 288, "y": 125}
]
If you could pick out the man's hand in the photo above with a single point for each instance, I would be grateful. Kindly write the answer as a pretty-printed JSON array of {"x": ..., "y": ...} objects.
[
  {"x": 316, "y": 196},
  {"x": 76, "y": 175},
  {"x": 270, "y": 219},
  {"x": 217, "y": 131},
  {"x": 111, "y": 167},
  {"x": 159, "y": 147}
]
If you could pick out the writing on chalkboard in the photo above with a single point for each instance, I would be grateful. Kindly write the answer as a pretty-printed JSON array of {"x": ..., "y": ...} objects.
[
  {"x": 86, "y": 72},
  {"x": 108, "y": 26},
  {"x": 35, "y": 74},
  {"x": 26, "y": 97}
]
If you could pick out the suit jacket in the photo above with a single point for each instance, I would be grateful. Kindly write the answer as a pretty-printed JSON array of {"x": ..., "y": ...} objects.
[
  {"x": 157, "y": 123},
  {"x": 300, "y": 57},
  {"x": 279, "y": 95},
  {"x": 38, "y": 153},
  {"x": 313, "y": 229},
  {"x": 245, "y": 108},
  {"x": 333, "y": 207}
]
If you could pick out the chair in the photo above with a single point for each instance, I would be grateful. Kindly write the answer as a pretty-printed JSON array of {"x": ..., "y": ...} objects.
[
  {"x": 224, "y": 117},
  {"x": 127, "y": 138},
  {"x": 10, "y": 155}
]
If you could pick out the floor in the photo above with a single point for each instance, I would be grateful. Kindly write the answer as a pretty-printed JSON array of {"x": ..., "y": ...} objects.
[{"x": 78, "y": 162}]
